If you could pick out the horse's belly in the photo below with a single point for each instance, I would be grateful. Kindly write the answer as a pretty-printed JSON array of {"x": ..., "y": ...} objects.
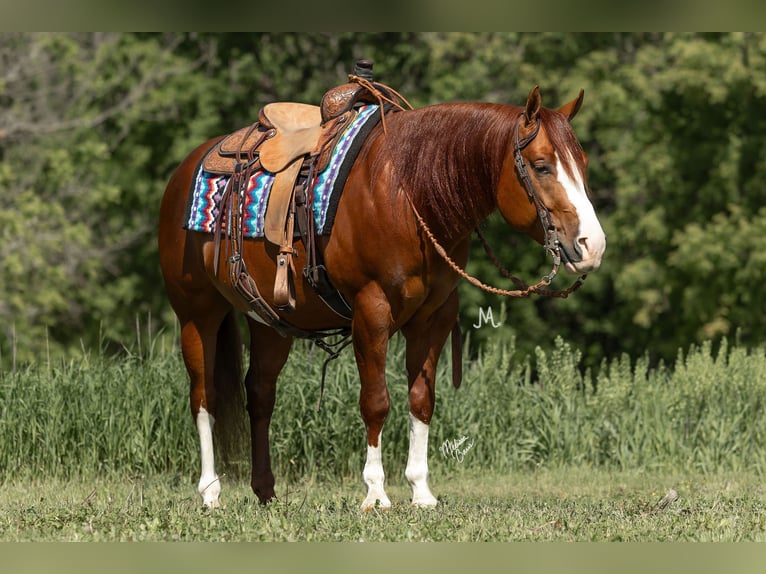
[{"x": 260, "y": 256}]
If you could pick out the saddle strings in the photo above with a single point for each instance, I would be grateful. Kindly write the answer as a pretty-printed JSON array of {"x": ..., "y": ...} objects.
[{"x": 375, "y": 90}]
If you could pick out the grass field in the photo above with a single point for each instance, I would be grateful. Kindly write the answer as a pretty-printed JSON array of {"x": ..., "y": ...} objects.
[
  {"x": 103, "y": 448},
  {"x": 563, "y": 505}
]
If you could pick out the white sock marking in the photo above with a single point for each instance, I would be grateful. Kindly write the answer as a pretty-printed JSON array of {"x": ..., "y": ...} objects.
[
  {"x": 374, "y": 477},
  {"x": 209, "y": 485},
  {"x": 417, "y": 464}
]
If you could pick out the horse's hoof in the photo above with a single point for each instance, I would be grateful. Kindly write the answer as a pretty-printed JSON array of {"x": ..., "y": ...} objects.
[
  {"x": 210, "y": 494},
  {"x": 377, "y": 504},
  {"x": 267, "y": 499},
  {"x": 425, "y": 502}
]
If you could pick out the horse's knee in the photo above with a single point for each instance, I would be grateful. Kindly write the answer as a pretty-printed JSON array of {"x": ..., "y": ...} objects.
[
  {"x": 374, "y": 406},
  {"x": 421, "y": 402}
]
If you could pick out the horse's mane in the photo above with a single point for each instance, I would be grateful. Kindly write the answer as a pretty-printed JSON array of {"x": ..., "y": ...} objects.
[{"x": 448, "y": 157}]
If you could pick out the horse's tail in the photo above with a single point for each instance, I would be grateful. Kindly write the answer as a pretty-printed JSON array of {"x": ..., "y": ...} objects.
[
  {"x": 231, "y": 428},
  {"x": 457, "y": 355}
]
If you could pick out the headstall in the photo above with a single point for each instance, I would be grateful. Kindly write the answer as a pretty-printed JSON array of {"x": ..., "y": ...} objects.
[{"x": 552, "y": 244}]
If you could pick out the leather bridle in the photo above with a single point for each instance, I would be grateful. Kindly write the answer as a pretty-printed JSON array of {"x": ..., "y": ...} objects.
[{"x": 552, "y": 244}]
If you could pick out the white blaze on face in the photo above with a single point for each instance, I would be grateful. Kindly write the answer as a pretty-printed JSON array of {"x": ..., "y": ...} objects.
[
  {"x": 209, "y": 485},
  {"x": 590, "y": 240}
]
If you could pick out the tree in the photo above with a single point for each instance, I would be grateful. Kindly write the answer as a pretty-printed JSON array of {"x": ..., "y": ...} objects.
[
  {"x": 77, "y": 179},
  {"x": 92, "y": 125},
  {"x": 673, "y": 125}
]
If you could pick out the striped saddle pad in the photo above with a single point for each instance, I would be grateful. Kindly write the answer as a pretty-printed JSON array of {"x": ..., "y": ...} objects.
[{"x": 203, "y": 205}]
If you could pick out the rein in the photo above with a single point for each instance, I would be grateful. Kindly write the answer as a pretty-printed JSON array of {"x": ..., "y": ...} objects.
[{"x": 552, "y": 244}]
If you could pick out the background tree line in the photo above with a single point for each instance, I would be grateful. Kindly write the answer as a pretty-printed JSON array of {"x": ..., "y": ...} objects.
[{"x": 92, "y": 125}]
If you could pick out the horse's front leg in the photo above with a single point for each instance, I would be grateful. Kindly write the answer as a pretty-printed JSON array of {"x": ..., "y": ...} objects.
[
  {"x": 370, "y": 331},
  {"x": 425, "y": 339}
]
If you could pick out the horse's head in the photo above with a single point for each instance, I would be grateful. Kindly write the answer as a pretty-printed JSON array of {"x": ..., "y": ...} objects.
[{"x": 543, "y": 190}]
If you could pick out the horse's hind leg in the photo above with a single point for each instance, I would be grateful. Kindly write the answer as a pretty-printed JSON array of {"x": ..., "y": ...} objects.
[
  {"x": 268, "y": 354},
  {"x": 198, "y": 344},
  {"x": 425, "y": 340}
]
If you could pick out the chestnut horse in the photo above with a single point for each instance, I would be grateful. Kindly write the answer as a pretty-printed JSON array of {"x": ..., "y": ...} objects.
[{"x": 430, "y": 177}]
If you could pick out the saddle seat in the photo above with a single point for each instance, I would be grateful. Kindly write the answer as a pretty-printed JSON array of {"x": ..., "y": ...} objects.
[
  {"x": 297, "y": 129},
  {"x": 286, "y": 131}
]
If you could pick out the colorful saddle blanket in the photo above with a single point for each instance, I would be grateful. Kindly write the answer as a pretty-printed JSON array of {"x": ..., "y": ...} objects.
[{"x": 204, "y": 199}]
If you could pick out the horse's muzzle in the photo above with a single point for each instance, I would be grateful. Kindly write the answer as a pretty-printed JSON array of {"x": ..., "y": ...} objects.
[{"x": 583, "y": 256}]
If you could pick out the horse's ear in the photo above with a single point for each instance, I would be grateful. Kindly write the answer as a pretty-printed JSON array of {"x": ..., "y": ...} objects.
[
  {"x": 570, "y": 110},
  {"x": 532, "y": 109}
]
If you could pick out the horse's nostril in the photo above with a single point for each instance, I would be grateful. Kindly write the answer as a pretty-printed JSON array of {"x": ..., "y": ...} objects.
[{"x": 581, "y": 246}]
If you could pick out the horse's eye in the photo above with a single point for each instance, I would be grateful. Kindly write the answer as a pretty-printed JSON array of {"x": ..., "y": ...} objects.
[{"x": 541, "y": 167}]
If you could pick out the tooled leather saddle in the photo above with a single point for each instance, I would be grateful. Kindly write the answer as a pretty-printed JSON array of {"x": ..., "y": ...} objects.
[{"x": 294, "y": 141}]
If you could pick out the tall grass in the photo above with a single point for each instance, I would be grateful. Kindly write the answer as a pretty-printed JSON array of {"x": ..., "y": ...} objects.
[
  {"x": 703, "y": 414},
  {"x": 99, "y": 415}
]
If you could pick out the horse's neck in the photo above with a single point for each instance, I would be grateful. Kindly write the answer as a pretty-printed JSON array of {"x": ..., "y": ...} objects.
[{"x": 466, "y": 152}]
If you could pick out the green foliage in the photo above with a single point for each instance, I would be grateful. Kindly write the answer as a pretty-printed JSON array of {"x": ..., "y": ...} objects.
[
  {"x": 682, "y": 154},
  {"x": 92, "y": 124},
  {"x": 94, "y": 416},
  {"x": 104, "y": 449},
  {"x": 99, "y": 415},
  {"x": 82, "y": 159}
]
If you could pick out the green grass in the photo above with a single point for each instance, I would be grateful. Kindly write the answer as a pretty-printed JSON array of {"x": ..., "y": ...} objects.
[
  {"x": 102, "y": 415},
  {"x": 103, "y": 448},
  {"x": 566, "y": 505}
]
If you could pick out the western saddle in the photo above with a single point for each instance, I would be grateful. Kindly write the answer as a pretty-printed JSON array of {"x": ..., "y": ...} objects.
[{"x": 294, "y": 141}]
